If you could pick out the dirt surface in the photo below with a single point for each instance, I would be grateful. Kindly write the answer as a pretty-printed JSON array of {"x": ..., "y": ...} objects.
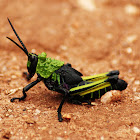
[{"x": 95, "y": 37}]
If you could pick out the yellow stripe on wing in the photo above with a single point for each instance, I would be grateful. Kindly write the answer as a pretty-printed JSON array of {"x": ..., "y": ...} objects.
[
  {"x": 96, "y": 88},
  {"x": 90, "y": 85},
  {"x": 95, "y": 77}
]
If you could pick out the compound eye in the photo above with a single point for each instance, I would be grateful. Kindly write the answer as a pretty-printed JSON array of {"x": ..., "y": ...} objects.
[{"x": 32, "y": 57}]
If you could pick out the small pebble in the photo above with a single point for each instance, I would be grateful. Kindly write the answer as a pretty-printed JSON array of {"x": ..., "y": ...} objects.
[
  {"x": 109, "y": 36},
  {"x": 111, "y": 96},
  {"x": 131, "y": 9},
  {"x": 67, "y": 117},
  {"x": 88, "y": 5},
  {"x": 59, "y": 138},
  {"x": 43, "y": 128},
  {"x": 4, "y": 68},
  {"x": 131, "y": 39},
  {"x": 134, "y": 89},
  {"x": 37, "y": 111},
  {"x": 63, "y": 47},
  {"x": 50, "y": 132},
  {"x": 94, "y": 103},
  {"x": 13, "y": 76},
  {"x": 13, "y": 91},
  {"x": 129, "y": 50},
  {"x": 137, "y": 82},
  {"x": 7, "y": 115},
  {"x": 136, "y": 98},
  {"x": 102, "y": 138},
  {"x": 115, "y": 61},
  {"x": 11, "y": 116},
  {"x": 14, "y": 58},
  {"x": 9, "y": 110},
  {"x": 136, "y": 130}
]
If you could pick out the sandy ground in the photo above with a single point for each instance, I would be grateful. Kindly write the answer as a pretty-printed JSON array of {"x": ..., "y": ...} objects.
[{"x": 95, "y": 37}]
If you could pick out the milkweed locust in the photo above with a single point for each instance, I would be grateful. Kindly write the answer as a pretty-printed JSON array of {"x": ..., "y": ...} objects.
[{"x": 60, "y": 77}]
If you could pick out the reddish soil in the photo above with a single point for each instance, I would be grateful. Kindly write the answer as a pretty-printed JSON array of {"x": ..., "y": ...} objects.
[{"x": 97, "y": 41}]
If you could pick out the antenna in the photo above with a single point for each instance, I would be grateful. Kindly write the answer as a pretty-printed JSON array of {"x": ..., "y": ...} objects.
[{"x": 24, "y": 48}]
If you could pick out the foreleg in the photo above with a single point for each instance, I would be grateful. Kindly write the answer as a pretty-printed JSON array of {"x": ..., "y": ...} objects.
[{"x": 25, "y": 89}]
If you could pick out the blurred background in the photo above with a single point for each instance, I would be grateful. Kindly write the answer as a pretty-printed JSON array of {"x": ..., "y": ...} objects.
[{"x": 94, "y": 36}]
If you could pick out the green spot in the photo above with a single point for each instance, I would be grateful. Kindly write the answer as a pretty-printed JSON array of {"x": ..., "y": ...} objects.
[
  {"x": 58, "y": 78},
  {"x": 91, "y": 95},
  {"x": 54, "y": 76},
  {"x": 28, "y": 64},
  {"x": 105, "y": 89},
  {"x": 99, "y": 93}
]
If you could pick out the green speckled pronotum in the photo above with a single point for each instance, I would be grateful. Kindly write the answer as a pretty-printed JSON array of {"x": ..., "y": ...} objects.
[
  {"x": 64, "y": 79},
  {"x": 47, "y": 66}
]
